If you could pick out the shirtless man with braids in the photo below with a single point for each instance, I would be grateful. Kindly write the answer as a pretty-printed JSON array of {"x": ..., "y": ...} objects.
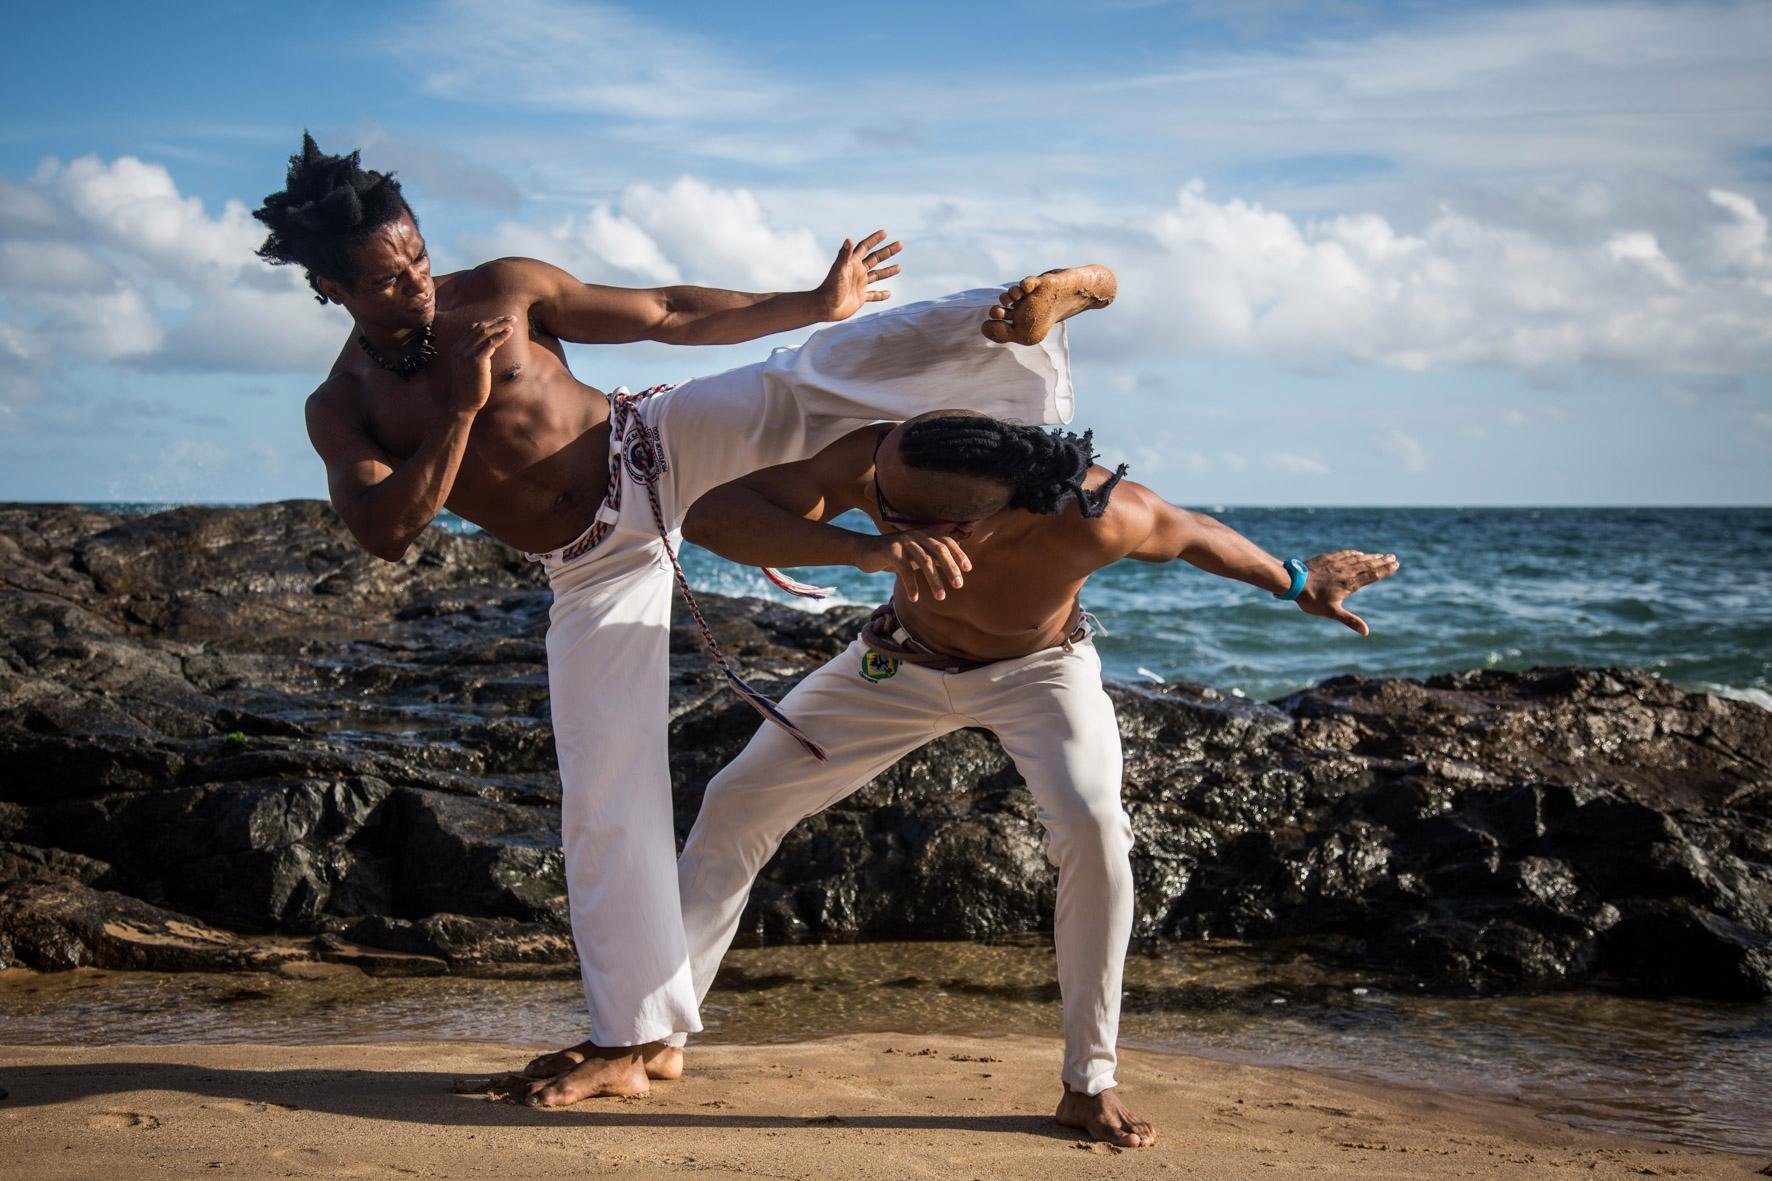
[
  {"x": 991, "y": 530},
  {"x": 453, "y": 391}
]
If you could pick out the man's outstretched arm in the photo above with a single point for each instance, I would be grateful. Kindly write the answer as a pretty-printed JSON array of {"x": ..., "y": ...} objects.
[
  {"x": 777, "y": 517},
  {"x": 1161, "y": 532},
  {"x": 589, "y": 313}
]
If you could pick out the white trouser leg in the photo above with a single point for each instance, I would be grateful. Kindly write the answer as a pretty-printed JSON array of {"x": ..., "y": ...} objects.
[
  {"x": 864, "y": 725},
  {"x": 1055, "y": 720},
  {"x": 610, "y": 691},
  {"x": 887, "y": 365},
  {"x": 608, "y": 663}
]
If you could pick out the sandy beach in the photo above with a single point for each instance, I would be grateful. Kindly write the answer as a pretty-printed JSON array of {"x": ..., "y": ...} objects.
[{"x": 874, "y": 1106}]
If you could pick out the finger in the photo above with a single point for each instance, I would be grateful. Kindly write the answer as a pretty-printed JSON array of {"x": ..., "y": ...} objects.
[
  {"x": 947, "y": 567},
  {"x": 879, "y": 273},
  {"x": 931, "y": 567},
  {"x": 876, "y": 296},
  {"x": 1343, "y": 615},
  {"x": 885, "y": 252},
  {"x": 872, "y": 240},
  {"x": 952, "y": 541}
]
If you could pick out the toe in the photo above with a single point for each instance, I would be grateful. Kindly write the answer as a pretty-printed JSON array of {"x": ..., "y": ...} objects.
[
  {"x": 1031, "y": 283},
  {"x": 999, "y": 313},
  {"x": 1014, "y": 295},
  {"x": 998, "y": 331}
]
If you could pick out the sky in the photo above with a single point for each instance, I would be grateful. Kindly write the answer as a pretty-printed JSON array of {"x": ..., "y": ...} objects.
[{"x": 1369, "y": 253}]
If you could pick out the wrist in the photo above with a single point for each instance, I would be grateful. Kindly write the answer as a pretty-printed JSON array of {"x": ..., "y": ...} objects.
[
  {"x": 859, "y": 550},
  {"x": 1297, "y": 576}
]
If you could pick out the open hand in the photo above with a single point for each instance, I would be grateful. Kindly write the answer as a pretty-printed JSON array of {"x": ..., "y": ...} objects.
[
  {"x": 1333, "y": 577},
  {"x": 928, "y": 560},
  {"x": 851, "y": 280}
]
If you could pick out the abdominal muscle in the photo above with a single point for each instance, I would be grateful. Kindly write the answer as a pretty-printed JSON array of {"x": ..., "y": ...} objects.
[
  {"x": 986, "y": 620},
  {"x": 536, "y": 467}
]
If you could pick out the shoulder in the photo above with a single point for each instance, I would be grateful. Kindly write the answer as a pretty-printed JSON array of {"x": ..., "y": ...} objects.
[
  {"x": 503, "y": 280},
  {"x": 1128, "y": 519},
  {"x": 338, "y": 399}
]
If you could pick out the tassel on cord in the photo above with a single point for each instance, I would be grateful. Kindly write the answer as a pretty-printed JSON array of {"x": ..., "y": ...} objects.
[
  {"x": 795, "y": 587},
  {"x": 645, "y": 462},
  {"x": 772, "y": 712}
]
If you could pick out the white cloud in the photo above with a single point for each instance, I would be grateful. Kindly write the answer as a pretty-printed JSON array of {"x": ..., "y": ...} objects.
[
  {"x": 691, "y": 232},
  {"x": 583, "y": 56},
  {"x": 1295, "y": 464},
  {"x": 1407, "y": 450},
  {"x": 108, "y": 262},
  {"x": 1236, "y": 277}
]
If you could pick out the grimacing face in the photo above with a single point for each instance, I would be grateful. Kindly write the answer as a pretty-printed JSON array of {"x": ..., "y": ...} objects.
[{"x": 392, "y": 288}]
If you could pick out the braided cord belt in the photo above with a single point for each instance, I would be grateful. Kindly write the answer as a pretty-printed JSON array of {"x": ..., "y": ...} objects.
[{"x": 640, "y": 451}]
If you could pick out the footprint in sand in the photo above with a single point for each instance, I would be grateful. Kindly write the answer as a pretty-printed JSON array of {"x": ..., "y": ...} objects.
[
  {"x": 123, "y": 1119},
  {"x": 250, "y": 1106}
]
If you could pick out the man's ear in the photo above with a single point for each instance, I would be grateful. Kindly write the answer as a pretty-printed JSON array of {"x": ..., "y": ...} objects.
[{"x": 333, "y": 291}]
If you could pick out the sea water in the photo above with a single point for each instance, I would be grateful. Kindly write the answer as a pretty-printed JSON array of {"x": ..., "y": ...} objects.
[{"x": 1683, "y": 592}]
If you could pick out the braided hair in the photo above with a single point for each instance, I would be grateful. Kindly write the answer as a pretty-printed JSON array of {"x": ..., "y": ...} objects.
[
  {"x": 1044, "y": 468},
  {"x": 329, "y": 206}
]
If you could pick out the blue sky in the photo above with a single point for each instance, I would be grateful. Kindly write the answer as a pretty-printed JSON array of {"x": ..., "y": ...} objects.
[{"x": 1369, "y": 253}]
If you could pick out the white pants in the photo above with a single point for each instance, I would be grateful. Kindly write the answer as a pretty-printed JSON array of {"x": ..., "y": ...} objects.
[
  {"x": 609, "y": 639},
  {"x": 1055, "y": 721}
]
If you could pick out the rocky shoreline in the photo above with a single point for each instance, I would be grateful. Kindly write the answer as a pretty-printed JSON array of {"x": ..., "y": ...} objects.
[{"x": 231, "y": 740}]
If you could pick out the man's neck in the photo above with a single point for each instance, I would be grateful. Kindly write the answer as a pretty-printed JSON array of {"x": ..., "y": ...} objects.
[{"x": 388, "y": 342}]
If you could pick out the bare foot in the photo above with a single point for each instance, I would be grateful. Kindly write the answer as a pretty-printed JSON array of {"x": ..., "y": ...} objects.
[
  {"x": 1104, "y": 1117},
  {"x": 662, "y": 1062},
  {"x": 1030, "y": 308},
  {"x": 594, "y": 1078}
]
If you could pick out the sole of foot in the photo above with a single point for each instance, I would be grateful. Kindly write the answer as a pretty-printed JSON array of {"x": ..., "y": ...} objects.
[{"x": 1028, "y": 310}]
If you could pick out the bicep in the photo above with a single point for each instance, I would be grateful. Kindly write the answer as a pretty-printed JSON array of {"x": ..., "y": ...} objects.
[
  {"x": 354, "y": 462},
  {"x": 587, "y": 313},
  {"x": 1158, "y": 530}
]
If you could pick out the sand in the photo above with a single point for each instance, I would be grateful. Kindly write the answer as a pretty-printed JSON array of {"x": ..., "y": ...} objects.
[{"x": 874, "y": 1106}]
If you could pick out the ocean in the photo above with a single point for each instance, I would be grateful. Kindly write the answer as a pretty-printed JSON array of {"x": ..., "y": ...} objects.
[{"x": 1683, "y": 592}]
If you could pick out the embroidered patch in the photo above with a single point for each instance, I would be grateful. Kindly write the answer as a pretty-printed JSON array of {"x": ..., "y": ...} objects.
[{"x": 877, "y": 666}]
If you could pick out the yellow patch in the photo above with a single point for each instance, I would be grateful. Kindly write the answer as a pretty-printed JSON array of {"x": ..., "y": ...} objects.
[{"x": 877, "y": 666}]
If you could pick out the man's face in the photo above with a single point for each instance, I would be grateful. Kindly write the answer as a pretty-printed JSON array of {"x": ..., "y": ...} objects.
[{"x": 393, "y": 287}]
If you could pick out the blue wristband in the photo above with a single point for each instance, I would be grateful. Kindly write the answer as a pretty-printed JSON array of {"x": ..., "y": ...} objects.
[{"x": 1300, "y": 576}]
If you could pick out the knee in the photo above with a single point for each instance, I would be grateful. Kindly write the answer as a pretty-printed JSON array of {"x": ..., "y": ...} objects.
[{"x": 1094, "y": 832}]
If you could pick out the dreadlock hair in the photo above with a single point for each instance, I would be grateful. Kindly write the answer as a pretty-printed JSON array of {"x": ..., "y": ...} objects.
[
  {"x": 329, "y": 206},
  {"x": 1043, "y": 468}
]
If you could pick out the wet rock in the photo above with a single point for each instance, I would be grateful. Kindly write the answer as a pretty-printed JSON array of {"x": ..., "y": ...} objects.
[
  {"x": 229, "y": 733},
  {"x": 56, "y": 925}
]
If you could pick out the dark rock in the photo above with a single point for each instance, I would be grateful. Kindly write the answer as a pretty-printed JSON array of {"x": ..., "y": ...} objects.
[
  {"x": 62, "y": 924},
  {"x": 230, "y": 737}
]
